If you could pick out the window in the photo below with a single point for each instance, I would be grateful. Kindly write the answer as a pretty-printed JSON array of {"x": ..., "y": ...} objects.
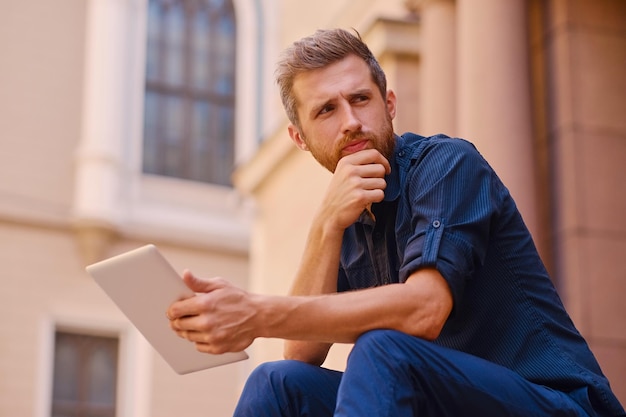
[
  {"x": 141, "y": 167},
  {"x": 189, "y": 123},
  {"x": 85, "y": 375}
]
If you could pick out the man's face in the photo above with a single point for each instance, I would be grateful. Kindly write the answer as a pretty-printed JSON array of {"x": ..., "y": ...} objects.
[{"x": 341, "y": 112}]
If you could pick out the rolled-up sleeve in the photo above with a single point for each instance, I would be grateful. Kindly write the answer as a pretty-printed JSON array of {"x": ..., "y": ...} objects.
[{"x": 452, "y": 196}]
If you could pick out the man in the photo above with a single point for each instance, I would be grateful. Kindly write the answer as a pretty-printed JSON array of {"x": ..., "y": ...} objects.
[{"x": 418, "y": 255}]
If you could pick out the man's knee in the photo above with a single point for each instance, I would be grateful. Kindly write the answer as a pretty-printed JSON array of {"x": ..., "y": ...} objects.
[
  {"x": 392, "y": 353},
  {"x": 382, "y": 338},
  {"x": 287, "y": 378},
  {"x": 273, "y": 375},
  {"x": 391, "y": 345},
  {"x": 266, "y": 391},
  {"x": 289, "y": 387}
]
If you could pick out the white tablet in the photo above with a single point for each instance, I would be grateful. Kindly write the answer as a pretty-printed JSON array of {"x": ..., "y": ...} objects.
[{"x": 143, "y": 285}]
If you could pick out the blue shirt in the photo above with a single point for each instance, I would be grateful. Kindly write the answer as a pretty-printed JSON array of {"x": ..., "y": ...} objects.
[{"x": 445, "y": 207}]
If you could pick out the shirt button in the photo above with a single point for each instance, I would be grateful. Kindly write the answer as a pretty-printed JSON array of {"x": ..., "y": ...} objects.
[
  {"x": 401, "y": 153},
  {"x": 377, "y": 235},
  {"x": 436, "y": 224}
]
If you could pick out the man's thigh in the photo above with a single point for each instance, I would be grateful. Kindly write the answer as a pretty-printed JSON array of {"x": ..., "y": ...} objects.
[
  {"x": 289, "y": 388},
  {"x": 392, "y": 374}
]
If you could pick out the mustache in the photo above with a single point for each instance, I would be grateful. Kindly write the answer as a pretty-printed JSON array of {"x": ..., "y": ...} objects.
[{"x": 352, "y": 137}]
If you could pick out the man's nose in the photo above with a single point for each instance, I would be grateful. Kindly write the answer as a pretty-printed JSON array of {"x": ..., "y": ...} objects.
[{"x": 350, "y": 120}]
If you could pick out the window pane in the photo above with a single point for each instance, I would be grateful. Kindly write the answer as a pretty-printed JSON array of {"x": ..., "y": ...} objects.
[
  {"x": 152, "y": 127},
  {"x": 201, "y": 155},
  {"x": 174, "y": 51},
  {"x": 201, "y": 127},
  {"x": 173, "y": 131},
  {"x": 85, "y": 376},
  {"x": 189, "y": 126},
  {"x": 225, "y": 47},
  {"x": 65, "y": 368},
  {"x": 102, "y": 370},
  {"x": 154, "y": 40},
  {"x": 224, "y": 148},
  {"x": 201, "y": 45}
]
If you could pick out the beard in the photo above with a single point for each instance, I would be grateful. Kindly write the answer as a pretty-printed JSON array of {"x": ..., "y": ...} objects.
[{"x": 381, "y": 140}]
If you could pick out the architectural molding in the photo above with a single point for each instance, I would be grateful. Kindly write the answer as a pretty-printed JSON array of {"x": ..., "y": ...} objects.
[{"x": 112, "y": 196}]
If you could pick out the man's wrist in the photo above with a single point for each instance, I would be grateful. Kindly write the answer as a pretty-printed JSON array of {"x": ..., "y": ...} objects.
[{"x": 271, "y": 314}]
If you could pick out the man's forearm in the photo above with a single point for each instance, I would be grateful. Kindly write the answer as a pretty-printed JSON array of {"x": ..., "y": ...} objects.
[
  {"x": 320, "y": 263},
  {"x": 317, "y": 275},
  {"x": 418, "y": 307}
]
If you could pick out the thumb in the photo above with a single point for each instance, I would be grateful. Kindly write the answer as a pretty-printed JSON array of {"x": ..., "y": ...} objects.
[{"x": 197, "y": 284}]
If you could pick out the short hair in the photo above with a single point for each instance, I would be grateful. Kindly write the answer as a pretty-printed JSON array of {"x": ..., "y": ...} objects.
[{"x": 319, "y": 50}]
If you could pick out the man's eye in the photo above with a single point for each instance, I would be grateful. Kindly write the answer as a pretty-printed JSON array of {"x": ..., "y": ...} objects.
[
  {"x": 361, "y": 98},
  {"x": 326, "y": 109}
]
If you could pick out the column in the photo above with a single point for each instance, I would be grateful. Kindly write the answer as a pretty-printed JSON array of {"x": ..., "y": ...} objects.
[
  {"x": 438, "y": 67},
  {"x": 494, "y": 102},
  {"x": 104, "y": 137}
]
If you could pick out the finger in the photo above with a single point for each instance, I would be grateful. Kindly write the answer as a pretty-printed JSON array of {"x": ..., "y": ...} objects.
[
  {"x": 366, "y": 198},
  {"x": 186, "y": 315},
  {"x": 184, "y": 309},
  {"x": 370, "y": 183},
  {"x": 372, "y": 171},
  {"x": 372, "y": 156},
  {"x": 367, "y": 158},
  {"x": 193, "y": 305},
  {"x": 380, "y": 159},
  {"x": 202, "y": 342},
  {"x": 219, "y": 348},
  {"x": 182, "y": 334},
  {"x": 213, "y": 349},
  {"x": 375, "y": 195},
  {"x": 173, "y": 325},
  {"x": 182, "y": 325},
  {"x": 197, "y": 284},
  {"x": 195, "y": 337}
]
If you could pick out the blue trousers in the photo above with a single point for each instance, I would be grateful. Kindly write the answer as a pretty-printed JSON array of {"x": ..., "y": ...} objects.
[{"x": 391, "y": 374}]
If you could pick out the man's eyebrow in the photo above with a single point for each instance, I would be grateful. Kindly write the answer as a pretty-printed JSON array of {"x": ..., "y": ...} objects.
[{"x": 360, "y": 92}]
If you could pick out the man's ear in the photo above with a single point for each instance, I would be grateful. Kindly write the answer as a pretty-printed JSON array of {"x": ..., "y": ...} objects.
[
  {"x": 391, "y": 103},
  {"x": 296, "y": 136}
]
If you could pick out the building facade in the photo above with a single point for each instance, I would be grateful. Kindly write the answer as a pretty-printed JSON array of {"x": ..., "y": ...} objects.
[{"x": 538, "y": 86}]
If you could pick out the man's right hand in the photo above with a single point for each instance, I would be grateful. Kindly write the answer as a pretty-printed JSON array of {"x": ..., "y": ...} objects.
[{"x": 358, "y": 181}]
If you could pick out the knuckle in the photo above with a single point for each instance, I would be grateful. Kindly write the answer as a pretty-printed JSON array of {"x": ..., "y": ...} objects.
[
  {"x": 351, "y": 170},
  {"x": 205, "y": 323},
  {"x": 220, "y": 336},
  {"x": 206, "y": 302}
]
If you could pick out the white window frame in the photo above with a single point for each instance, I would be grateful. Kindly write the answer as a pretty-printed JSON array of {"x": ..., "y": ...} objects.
[
  {"x": 134, "y": 357},
  {"x": 111, "y": 189}
]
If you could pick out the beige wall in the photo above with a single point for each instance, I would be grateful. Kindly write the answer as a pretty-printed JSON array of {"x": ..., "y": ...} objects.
[
  {"x": 41, "y": 53},
  {"x": 40, "y": 91},
  {"x": 43, "y": 284}
]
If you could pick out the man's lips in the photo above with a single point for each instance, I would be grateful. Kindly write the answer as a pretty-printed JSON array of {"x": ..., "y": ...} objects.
[{"x": 355, "y": 146}]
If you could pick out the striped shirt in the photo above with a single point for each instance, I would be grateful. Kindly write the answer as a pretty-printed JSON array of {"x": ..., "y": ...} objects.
[{"x": 445, "y": 207}]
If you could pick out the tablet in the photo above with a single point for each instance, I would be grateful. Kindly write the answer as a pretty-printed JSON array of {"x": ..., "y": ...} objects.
[{"x": 143, "y": 285}]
